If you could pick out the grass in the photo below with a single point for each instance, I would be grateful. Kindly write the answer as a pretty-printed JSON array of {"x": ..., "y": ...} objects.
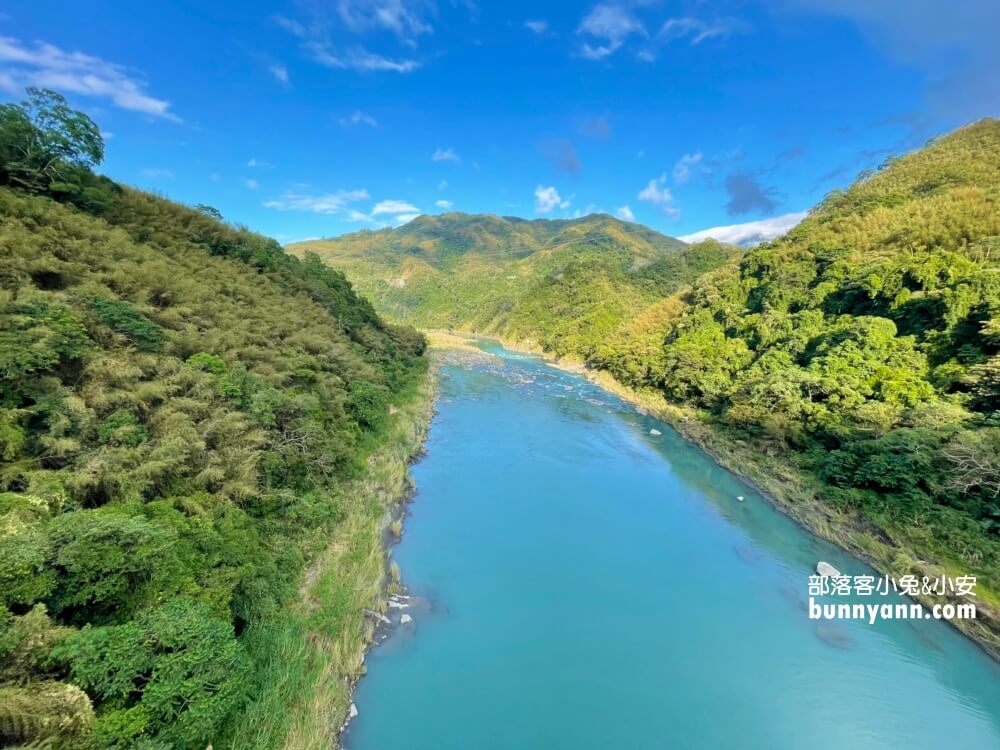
[{"x": 312, "y": 656}]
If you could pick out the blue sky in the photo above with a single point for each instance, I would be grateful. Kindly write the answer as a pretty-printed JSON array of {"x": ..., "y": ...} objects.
[{"x": 316, "y": 117}]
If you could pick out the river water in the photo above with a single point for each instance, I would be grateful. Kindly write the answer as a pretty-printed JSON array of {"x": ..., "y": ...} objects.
[{"x": 578, "y": 583}]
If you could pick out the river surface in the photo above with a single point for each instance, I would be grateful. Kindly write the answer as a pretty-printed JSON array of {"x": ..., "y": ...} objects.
[{"x": 578, "y": 582}]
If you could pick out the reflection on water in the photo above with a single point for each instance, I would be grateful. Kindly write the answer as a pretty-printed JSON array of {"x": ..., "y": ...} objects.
[{"x": 590, "y": 585}]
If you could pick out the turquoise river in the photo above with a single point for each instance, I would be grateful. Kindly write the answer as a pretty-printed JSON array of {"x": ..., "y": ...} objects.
[{"x": 580, "y": 582}]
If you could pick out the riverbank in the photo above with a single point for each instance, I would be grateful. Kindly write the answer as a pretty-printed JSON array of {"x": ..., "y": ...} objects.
[
  {"x": 784, "y": 486},
  {"x": 318, "y": 647}
]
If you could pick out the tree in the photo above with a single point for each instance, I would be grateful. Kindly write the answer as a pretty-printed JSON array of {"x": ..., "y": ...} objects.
[
  {"x": 175, "y": 671},
  {"x": 975, "y": 461},
  {"x": 41, "y": 137},
  {"x": 211, "y": 211}
]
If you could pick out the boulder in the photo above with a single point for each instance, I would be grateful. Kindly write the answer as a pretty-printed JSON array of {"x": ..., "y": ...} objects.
[{"x": 827, "y": 570}]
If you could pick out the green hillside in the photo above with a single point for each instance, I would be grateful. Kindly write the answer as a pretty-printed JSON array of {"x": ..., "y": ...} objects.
[
  {"x": 563, "y": 285},
  {"x": 185, "y": 415},
  {"x": 851, "y": 366},
  {"x": 863, "y": 348}
]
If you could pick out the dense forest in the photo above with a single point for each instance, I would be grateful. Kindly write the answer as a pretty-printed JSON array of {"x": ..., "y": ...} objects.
[
  {"x": 861, "y": 350},
  {"x": 865, "y": 346},
  {"x": 561, "y": 284},
  {"x": 183, "y": 409}
]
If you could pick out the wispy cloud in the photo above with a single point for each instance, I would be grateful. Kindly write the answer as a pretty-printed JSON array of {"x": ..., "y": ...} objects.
[
  {"x": 446, "y": 205},
  {"x": 609, "y": 25},
  {"x": 698, "y": 31},
  {"x": 402, "y": 18},
  {"x": 358, "y": 58},
  {"x": 657, "y": 193},
  {"x": 537, "y": 27},
  {"x": 280, "y": 72},
  {"x": 749, "y": 233},
  {"x": 387, "y": 212},
  {"x": 547, "y": 199},
  {"x": 624, "y": 213},
  {"x": 685, "y": 165},
  {"x": 250, "y": 183},
  {"x": 357, "y": 118},
  {"x": 330, "y": 34},
  {"x": 326, "y": 203},
  {"x": 446, "y": 154},
  {"x": 344, "y": 203},
  {"x": 158, "y": 173},
  {"x": 392, "y": 207},
  {"x": 49, "y": 66}
]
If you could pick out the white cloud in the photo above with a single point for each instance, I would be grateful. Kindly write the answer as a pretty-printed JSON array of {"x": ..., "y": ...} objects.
[
  {"x": 624, "y": 213},
  {"x": 443, "y": 184},
  {"x": 750, "y": 232},
  {"x": 357, "y": 118},
  {"x": 538, "y": 27},
  {"x": 156, "y": 172},
  {"x": 280, "y": 72},
  {"x": 251, "y": 183},
  {"x": 357, "y": 17},
  {"x": 382, "y": 213},
  {"x": 328, "y": 203},
  {"x": 359, "y": 59},
  {"x": 698, "y": 31},
  {"x": 684, "y": 166},
  {"x": 446, "y": 205},
  {"x": 47, "y": 66},
  {"x": 657, "y": 193},
  {"x": 446, "y": 154},
  {"x": 259, "y": 163},
  {"x": 394, "y": 207},
  {"x": 610, "y": 23},
  {"x": 398, "y": 16},
  {"x": 547, "y": 199}
]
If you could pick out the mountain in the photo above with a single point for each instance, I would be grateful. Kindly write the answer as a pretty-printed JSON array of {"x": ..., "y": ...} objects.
[
  {"x": 851, "y": 367},
  {"x": 186, "y": 417},
  {"x": 563, "y": 284},
  {"x": 861, "y": 349}
]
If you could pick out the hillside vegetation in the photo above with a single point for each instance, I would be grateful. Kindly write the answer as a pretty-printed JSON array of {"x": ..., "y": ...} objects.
[
  {"x": 864, "y": 346},
  {"x": 854, "y": 362},
  {"x": 563, "y": 285},
  {"x": 183, "y": 409}
]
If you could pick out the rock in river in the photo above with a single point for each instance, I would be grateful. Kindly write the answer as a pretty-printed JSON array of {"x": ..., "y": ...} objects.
[{"x": 825, "y": 569}]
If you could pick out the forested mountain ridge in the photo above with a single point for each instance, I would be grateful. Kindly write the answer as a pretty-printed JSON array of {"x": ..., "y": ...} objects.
[
  {"x": 863, "y": 347},
  {"x": 182, "y": 409},
  {"x": 564, "y": 284},
  {"x": 855, "y": 359}
]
